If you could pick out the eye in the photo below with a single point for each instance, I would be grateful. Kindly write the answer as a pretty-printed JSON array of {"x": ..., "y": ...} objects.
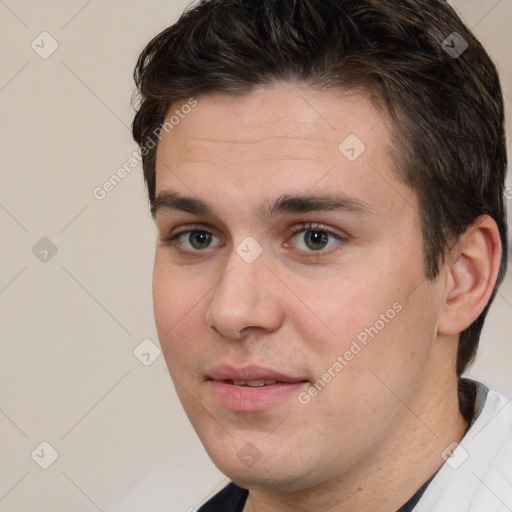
[
  {"x": 314, "y": 238},
  {"x": 192, "y": 240}
]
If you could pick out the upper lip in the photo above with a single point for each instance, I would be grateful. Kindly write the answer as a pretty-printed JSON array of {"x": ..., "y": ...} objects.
[{"x": 250, "y": 372}]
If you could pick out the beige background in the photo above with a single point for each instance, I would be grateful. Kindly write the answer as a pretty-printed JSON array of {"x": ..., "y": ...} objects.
[{"x": 69, "y": 325}]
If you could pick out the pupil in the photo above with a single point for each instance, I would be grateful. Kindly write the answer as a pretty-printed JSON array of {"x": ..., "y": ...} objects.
[
  {"x": 200, "y": 239},
  {"x": 317, "y": 239}
]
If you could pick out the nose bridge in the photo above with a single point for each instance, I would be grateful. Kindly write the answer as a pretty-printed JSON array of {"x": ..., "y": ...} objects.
[{"x": 242, "y": 297}]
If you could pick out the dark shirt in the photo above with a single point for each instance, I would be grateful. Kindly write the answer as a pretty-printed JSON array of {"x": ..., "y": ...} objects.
[{"x": 232, "y": 499}]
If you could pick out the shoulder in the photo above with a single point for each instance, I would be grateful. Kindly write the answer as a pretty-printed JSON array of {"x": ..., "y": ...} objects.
[
  {"x": 230, "y": 499},
  {"x": 478, "y": 474}
]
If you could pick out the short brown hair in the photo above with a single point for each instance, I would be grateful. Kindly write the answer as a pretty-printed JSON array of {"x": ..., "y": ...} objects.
[{"x": 447, "y": 109}]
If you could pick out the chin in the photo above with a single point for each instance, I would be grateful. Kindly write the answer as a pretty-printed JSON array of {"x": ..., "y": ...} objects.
[
  {"x": 269, "y": 478},
  {"x": 252, "y": 469}
]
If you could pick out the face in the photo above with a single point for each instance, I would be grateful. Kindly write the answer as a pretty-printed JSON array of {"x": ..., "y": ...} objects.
[{"x": 289, "y": 289}]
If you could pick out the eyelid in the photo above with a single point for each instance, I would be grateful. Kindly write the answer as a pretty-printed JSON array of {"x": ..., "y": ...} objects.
[
  {"x": 315, "y": 226},
  {"x": 313, "y": 256},
  {"x": 172, "y": 239},
  {"x": 187, "y": 228}
]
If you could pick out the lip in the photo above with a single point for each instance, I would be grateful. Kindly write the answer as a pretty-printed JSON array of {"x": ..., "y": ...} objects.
[
  {"x": 250, "y": 372},
  {"x": 240, "y": 399}
]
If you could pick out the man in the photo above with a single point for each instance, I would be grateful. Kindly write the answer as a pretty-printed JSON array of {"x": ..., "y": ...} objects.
[{"x": 327, "y": 180}]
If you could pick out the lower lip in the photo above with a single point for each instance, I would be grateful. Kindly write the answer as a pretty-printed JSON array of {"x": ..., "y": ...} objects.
[{"x": 253, "y": 399}]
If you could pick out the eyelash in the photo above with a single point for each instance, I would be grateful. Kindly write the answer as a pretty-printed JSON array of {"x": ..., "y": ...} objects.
[
  {"x": 307, "y": 226},
  {"x": 315, "y": 227}
]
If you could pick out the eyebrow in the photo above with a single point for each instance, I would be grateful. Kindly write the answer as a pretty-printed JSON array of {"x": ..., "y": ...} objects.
[{"x": 282, "y": 205}]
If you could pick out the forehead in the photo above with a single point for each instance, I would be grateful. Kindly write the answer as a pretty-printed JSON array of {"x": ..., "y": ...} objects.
[
  {"x": 284, "y": 139},
  {"x": 289, "y": 121}
]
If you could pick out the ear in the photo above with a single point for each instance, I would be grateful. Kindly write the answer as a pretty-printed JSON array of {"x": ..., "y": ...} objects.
[{"x": 472, "y": 268}]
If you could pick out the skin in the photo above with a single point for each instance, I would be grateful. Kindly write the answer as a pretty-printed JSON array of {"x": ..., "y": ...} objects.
[{"x": 377, "y": 431}]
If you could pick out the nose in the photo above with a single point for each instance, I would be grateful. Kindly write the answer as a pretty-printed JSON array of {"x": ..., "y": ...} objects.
[{"x": 246, "y": 299}]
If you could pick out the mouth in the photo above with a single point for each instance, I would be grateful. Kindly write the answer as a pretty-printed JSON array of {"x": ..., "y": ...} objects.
[
  {"x": 251, "y": 383},
  {"x": 252, "y": 388}
]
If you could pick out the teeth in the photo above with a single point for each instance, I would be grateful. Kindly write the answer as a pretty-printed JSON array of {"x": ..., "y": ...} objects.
[{"x": 253, "y": 383}]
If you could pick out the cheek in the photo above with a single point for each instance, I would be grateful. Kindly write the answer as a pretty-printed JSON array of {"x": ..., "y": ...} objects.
[
  {"x": 167, "y": 308},
  {"x": 371, "y": 315},
  {"x": 344, "y": 309},
  {"x": 177, "y": 305}
]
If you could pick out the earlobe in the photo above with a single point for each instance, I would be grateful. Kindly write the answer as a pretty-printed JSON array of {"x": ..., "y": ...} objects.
[{"x": 472, "y": 266}]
